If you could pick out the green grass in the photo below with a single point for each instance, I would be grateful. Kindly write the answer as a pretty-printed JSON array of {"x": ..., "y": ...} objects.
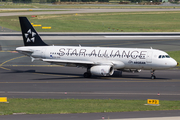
[
  {"x": 30, "y": 10},
  {"x": 103, "y": 22},
  {"x": 21, "y": 5},
  {"x": 61, "y": 106},
  {"x": 175, "y": 55},
  {"x": 37, "y": 5}
]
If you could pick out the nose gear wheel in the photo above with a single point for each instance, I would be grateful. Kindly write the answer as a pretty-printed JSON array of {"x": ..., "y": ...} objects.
[{"x": 153, "y": 75}]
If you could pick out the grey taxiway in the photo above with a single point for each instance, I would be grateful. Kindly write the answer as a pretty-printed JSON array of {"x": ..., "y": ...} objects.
[
  {"x": 25, "y": 79},
  {"x": 21, "y": 78}
]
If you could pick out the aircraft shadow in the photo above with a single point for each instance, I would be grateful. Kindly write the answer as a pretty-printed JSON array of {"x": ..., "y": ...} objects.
[{"x": 58, "y": 76}]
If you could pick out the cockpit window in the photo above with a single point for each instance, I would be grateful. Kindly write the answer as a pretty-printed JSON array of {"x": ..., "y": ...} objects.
[
  {"x": 167, "y": 56},
  {"x": 164, "y": 56}
]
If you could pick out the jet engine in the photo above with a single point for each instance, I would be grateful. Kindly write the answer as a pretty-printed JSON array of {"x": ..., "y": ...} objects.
[{"x": 102, "y": 70}]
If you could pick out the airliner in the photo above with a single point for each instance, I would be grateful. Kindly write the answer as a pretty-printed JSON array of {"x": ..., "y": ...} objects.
[{"x": 99, "y": 61}]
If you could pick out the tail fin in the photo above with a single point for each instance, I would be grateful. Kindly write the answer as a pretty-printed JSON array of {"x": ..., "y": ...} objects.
[{"x": 30, "y": 36}]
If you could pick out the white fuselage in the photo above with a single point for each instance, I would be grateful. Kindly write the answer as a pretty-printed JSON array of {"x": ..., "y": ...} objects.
[
  {"x": 119, "y": 58},
  {"x": 100, "y": 61}
]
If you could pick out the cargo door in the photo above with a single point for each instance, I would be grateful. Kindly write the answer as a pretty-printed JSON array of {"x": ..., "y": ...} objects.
[
  {"x": 43, "y": 51},
  {"x": 149, "y": 57}
]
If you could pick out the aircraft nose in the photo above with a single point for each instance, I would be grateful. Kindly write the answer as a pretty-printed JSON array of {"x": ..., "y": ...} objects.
[{"x": 173, "y": 63}]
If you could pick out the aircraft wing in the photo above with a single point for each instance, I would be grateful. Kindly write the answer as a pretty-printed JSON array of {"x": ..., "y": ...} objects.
[
  {"x": 84, "y": 63},
  {"x": 78, "y": 62}
]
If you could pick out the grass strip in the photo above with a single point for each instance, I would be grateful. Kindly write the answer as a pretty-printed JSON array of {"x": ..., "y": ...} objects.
[
  {"x": 64, "y": 106},
  {"x": 11, "y": 11},
  {"x": 82, "y": 6},
  {"x": 102, "y": 22}
]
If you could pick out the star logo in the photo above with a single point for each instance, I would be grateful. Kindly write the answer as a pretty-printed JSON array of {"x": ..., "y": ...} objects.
[{"x": 30, "y": 36}]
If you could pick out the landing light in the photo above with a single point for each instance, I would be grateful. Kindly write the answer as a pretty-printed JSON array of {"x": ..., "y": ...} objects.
[{"x": 177, "y": 64}]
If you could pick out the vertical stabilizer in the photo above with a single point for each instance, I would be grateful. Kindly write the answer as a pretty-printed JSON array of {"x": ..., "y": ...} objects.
[{"x": 30, "y": 36}]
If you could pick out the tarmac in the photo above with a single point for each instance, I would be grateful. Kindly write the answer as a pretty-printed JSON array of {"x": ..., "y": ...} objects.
[
  {"x": 143, "y": 115},
  {"x": 74, "y": 11}
]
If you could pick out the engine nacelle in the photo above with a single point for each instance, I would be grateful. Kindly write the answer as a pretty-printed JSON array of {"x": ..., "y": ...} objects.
[{"x": 102, "y": 70}]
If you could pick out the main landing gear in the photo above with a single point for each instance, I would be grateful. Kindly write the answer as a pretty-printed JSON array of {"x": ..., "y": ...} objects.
[
  {"x": 87, "y": 74},
  {"x": 153, "y": 75}
]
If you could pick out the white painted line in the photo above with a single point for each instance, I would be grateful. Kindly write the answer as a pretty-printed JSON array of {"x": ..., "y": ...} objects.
[
  {"x": 152, "y": 118},
  {"x": 92, "y": 93},
  {"x": 19, "y": 113},
  {"x": 139, "y": 36}
]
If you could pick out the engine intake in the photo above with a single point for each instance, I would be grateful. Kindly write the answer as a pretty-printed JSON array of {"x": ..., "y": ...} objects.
[{"x": 102, "y": 70}]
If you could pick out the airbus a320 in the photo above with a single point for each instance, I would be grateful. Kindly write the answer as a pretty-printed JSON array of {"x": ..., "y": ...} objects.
[{"x": 100, "y": 61}]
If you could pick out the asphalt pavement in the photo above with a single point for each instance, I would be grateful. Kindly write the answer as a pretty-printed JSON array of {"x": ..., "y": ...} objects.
[
  {"x": 144, "y": 115},
  {"x": 21, "y": 78}
]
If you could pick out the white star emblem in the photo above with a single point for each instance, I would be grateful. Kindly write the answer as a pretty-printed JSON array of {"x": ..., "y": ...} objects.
[{"x": 30, "y": 36}]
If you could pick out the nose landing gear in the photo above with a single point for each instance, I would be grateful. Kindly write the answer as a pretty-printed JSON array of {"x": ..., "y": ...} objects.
[{"x": 153, "y": 75}]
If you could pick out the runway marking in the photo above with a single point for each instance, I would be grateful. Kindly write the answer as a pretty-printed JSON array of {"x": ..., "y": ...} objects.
[
  {"x": 128, "y": 43},
  {"x": 5, "y": 51},
  {"x": 152, "y": 118},
  {"x": 9, "y": 61},
  {"x": 140, "y": 42},
  {"x": 105, "y": 78},
  {"x": 139, "y": 36},
  {"x": 115, "y": 78},
  {"x": 59, "y": 75},
  {"x": 70, "y": 76},
  {"x": 5, "y": 68},
  {"x": 85, "y": 93},
  {"x": 102, "y": 81},
  {"x": 33, "y": 65}
]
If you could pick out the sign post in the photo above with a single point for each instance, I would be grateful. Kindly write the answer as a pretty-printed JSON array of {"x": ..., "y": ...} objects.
[
  {"x": 3, "y": 99},
  {"x": 154, "y": 102}
]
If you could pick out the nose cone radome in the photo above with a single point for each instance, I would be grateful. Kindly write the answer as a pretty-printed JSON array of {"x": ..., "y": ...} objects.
[{"x": 173, "y": 63}]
